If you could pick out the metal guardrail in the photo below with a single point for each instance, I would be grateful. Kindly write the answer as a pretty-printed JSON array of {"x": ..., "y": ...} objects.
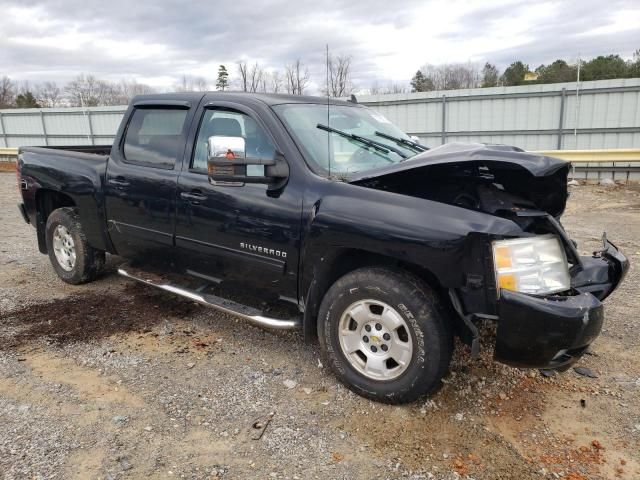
[
  {"x": 600, "y": 156},
  {"x": 8, "y": 155},
  {"x": 580, "y": 156},
  {"x": 620, "y": 164},
  {"x": 7, "y": 159},
  {"x": 624, "y": 160}
]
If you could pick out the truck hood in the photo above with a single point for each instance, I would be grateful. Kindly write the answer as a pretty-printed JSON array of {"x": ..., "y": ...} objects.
[{"x": 489, "y": 178}]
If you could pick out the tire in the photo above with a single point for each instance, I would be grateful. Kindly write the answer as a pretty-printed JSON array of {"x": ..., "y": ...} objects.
[
  {"x": 73, "y": 259},
  {"x": 413, "y": 328}
]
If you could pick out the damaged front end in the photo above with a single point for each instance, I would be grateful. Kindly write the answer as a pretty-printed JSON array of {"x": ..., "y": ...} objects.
[
  {"x": 553, "y": 331},
  {"x": 547, "y": 327}
]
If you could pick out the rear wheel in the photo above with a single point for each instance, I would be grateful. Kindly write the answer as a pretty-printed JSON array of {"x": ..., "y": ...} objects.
[
  {"x": 73, "y": 259},
  {"x": 385, "y": 335}
]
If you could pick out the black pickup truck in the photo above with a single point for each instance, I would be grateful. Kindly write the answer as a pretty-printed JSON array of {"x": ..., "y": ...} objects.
[{"x": 385, "y": 248}]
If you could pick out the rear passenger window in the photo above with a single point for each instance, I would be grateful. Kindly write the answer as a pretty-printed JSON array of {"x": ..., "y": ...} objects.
[{"x": 155, "y": 137}]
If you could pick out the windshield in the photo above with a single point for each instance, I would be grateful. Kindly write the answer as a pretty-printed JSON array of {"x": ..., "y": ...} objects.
[{"x": 351, "y": 143}]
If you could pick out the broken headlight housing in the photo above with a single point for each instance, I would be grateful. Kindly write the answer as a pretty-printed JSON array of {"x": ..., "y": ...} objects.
[{"x": 534, "y": 265}]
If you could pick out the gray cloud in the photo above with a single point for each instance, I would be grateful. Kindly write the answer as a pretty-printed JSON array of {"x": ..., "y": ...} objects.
[{"x": 276, "y": 33}]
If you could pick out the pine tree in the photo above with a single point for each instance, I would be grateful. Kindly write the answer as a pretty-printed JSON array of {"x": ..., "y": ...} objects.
[
  {"x": 514, "y": 74},
  {"x": 489, "y": 75},
  {"x": 26, "y": 100},
  {"x": 223, "y": 78},
  {"x": 420, "y": 83}
]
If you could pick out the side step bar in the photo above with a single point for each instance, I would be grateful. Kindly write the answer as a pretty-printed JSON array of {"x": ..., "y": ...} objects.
[{"x": 250, "y": 314}]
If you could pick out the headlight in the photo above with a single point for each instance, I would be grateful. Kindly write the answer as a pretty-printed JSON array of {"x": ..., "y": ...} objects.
[{"x": 536, "y": 265}]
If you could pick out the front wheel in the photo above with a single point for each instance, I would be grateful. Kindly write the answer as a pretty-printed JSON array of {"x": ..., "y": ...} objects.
[
  {"x": 385, "y": 335},
  {"x": 73, "y": 259}
]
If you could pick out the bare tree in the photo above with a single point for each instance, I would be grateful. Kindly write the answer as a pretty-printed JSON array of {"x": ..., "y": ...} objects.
[
  {"x": 49, "y": 94},
  {"x": 397, "y": 88},
  {"x": 130, "y": 89},
  {"x": 85, "y": 91},
  {"x": 200, "y": 84},
  {"x": 255, "y": 77},
  {"x": 340, "y": 84},
  {"x": 375, "y": 88},
  {"x": 277, "y": 82},
  {"x": 183, "y": 86},
  {"x": 452, "y": 76},
  {"x": 111, "y": 94},
  {"x": 191, "y": 84},
  {"x": 243, "y": 72},
  {"x": 7, "y": 92},
  {"x": 89, "y": 91},
  {"x": 265, "y": 82},
  {"x": 296, "y": 78},
  {"x": 392, "y": 87}
]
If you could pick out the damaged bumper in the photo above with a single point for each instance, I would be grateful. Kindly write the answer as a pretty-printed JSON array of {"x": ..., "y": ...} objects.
[{"x": 554, "y": 331}]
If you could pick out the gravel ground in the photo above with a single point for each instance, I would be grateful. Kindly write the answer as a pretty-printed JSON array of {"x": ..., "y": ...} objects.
[{"x": 112, "y": 380}]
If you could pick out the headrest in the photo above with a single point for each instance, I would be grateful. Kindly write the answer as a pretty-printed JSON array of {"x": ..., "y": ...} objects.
[{"x": 229, "y": 127}]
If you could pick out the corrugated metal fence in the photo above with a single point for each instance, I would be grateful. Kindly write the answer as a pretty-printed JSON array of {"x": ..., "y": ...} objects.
[
  {"x": 534, "y": 117},
  {"x": 59, "y": 126},
  {"x": 605, "y": 115}
]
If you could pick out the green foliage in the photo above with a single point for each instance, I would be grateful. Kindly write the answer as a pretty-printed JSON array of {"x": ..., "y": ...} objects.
[
  {"x": 26, "y": 100},
  {"x": 601, "y": 68},
  {"x": 634, "y": 65},
  {"x": 514, "y": 74},
  {"x": 490, "y": 75},
  {"x": 557, "y": 72},
  {"x": 223, "y": 78},
  {"x": 420, "y": 83}
]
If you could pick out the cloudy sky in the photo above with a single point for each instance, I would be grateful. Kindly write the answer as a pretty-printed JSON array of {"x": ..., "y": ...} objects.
[{"x": 157, "y": 41}]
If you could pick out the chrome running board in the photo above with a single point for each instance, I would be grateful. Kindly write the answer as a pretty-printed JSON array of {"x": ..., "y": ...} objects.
[{"x": 250, "y": 314}]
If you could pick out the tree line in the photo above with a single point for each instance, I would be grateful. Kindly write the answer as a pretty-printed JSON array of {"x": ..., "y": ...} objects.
[
  {"x": 456, "y": 76},
  {"x": 83, "y": 91},
  {"x": 87, "y": 90}
]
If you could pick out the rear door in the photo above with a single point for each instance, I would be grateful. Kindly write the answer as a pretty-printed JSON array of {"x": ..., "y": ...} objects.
[
  {"x": 237, "y": 232},
  {"x": 142, "y": 177}
]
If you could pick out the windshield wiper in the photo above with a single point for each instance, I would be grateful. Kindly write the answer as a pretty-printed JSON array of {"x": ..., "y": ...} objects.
[
  {"x": 381, "y": 147},
  {"x": 415, "y": 146}
]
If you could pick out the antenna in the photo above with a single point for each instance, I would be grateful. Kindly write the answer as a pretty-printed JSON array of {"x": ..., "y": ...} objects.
[
  {"x": 575, "y": 125},
  {"x": 84, "y": 113},
  {"x": 328, "y": 132}
]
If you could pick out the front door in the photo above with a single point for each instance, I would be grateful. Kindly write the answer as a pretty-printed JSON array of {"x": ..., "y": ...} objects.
[
  {"x": 141, "y": 182},
  {"x": 237, "y": 232}
]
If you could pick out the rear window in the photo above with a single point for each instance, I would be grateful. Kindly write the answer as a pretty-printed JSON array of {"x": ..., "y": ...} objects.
[{"x": 155, "y": 137}]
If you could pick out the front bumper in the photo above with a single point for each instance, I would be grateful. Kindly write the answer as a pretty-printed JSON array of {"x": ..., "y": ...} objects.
[{"x": 554, "y": 331}]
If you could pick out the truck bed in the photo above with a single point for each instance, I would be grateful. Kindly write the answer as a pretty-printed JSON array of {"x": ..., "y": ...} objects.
[{"x": 71, "y": 175}]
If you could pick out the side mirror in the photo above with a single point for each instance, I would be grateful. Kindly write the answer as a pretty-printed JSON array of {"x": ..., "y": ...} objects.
[{"x": 227, "y": 164}]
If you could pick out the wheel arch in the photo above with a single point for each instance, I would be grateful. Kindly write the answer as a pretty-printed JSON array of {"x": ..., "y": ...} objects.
[
  {"x": 344, "y": 260},
  {"x": 47, "y": 201}
]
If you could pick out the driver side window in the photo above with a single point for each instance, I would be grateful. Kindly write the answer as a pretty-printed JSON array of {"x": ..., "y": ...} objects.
[{"x": 229, "y": 123}]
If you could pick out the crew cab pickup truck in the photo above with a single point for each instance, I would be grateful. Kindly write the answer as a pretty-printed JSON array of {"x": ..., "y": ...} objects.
[{"x": 385, "y": 248}]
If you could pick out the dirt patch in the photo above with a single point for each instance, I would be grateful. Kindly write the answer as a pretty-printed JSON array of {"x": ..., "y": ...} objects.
[
  {"x": 84, "y": 464},
  {"x": 89, "y": 384},
  {"x": 90, "y": 316},
  {"x": 7, "y": 167}
]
